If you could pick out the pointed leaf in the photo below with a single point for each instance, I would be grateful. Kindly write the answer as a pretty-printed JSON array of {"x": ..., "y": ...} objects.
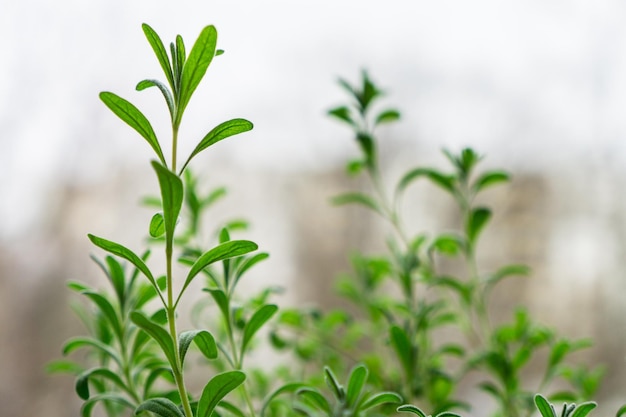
[
  {"x": 220, "y": 299},
  {"x": 81, "y": 342},
  {"x": 217, "y": 388},
  {"x": 82, "y": 381},
  {"x": 358, "y": 198},
  {"x": 158, "y": 333},
  {"x": 161, "y": 407},
  {"x": 200, "y": 58},
  {"x": 316, "y": 399},
  {"x": 358, "y": 376},
  {"x": 224, "y": 251},
  {"x": 116, "y": 275},
  {"x": 107, "y": 310},
  {"x": 258, "y": 319},
  {"x": 167, "y": 95},
  {"x": 545, "y": 408},
  {"x": 171, "y": 197},
  {"x": 408, "y": 408},
  {"x": 160, "y": 52},
  {"x": 218, "y": 133},
  {"x": 342, "y": 113},
  {"x": 477, "y": 220},
  {"x": 333, "y": 384},
  {"x": 490, "y": 178},
  {"x": 290, "y": 387},
  {"x": 402, "y": 346},
  {"x": 130, "y": 114},
  {"x": 204, "y": 340},
  {"x": 387, "y": 116},
  {"x": 583, "y": 409},
  {"x": 91, "y": 402},
  {"x": 379, "y": 399},
  {"x": 442, "y": 180}
]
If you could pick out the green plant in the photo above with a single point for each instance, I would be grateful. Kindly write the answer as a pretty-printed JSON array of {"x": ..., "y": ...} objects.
[{"x": 569, "y": 410}]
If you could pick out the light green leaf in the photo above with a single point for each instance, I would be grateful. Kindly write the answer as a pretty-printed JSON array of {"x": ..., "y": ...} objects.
[
  {"x": 157, "y": 225},
  {"x": 358, "y": 198},
  {"x": 258, "y": 319},
  {"x": 160, "y": 52},
  {"x": 387, "y": 116},
  {"x": 476, "y": 221},
  {"x": 408, "y": 408},
  {"x": 218, "y": 133},
  {"x": 217, "y": 388},
  {"x": 200, "y": 58},
  {"x": 545, "y": 408},
  {"x": 107, "y": 310},
  {"x": 81, "y": 342},
  {"x": 160, "y": 406},
  {"x": 204, "y": 340},
  {"x": 490, "y": 178},
  {"x": 221, "y": 252},
  {"x": 159, "y": 334},
  {"x": 583, "y": 409},
  {"x": 134, "y": 118},
  {"x": 402, "y": 346}
]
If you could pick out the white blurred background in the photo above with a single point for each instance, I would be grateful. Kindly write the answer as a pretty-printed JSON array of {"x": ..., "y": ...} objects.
[{"x": 539, "y": 87}]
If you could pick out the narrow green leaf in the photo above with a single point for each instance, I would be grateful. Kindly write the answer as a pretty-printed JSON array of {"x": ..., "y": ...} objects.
[
  {"x": 160, "y": 52},
  {"x": 258, "y": 319},
  {"x": 181, "y": 54},
  {"x": 204, "y": 340},
  {"x": 159, "y": 334},
  {"x": 82, "y": 381},
  {"x": 402, "y": 346},
  {"x": 249, "y": 262},
  {"x": 81, "y": 342},
  {"x": 476, "y": 221},
  {"x": 358, "y": 376},
  {"x": 152, "y": 377},
  {"x": 334, "y": 385},
  {"x": 130, "y": 114},
  {"x": 583, "y": 409},
  {"x": 125, "y": 253},
  {"x": 217, "y": 388},
  {"x": 342, "y": 113},
  {"x": 490, "y": 178},
  {"x": 116, "y": 275},
  {"x": 64, "y": 367},
  {"x": 508, "y": 271},
  {"x": 224, "y": 251},
  {"x": 157, "y": 225},
  {"x": 200, "y": 58},
  {"x": 408, "y": 408},
  {"x": 387, "y": 116},
  {"x": 218, "y": 133},
  {"x": 290, "y": 387},
  {"x": 220, "y": 299},
  {"x": 107, "y": 310},
  {"x": 160, "y": 406},
  {"x": 167, "y": 95},
  {"x": 315, "y": 398},
  {"x": 380, "y": 399},
  {"x": 442, "y": 180},
  {"x": 545, "y": 408},
  {"x": 358, "y": 198},
  {"x": 88, "y": 405},
  {"x": 231, "y": 408},
  {"x": 171, "y": 196}
]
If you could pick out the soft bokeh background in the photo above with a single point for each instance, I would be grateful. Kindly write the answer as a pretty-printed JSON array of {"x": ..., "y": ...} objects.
[{"x": 537, "y": 86}]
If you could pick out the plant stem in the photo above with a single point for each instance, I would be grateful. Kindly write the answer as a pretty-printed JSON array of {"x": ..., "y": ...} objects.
[{"x": 174, "y": 146}]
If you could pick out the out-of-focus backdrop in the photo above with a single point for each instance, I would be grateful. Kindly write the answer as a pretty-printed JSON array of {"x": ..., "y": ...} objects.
[{"x": 539, "y": 87}]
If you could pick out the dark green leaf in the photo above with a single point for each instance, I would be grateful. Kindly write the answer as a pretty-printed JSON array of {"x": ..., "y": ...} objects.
[
  {"x": 107, "y": 310},
  {"x": 402, "y": 346},
  {"x": 621, "y": 412},
  {"x": 545, "y": 408},
  {"x": 217, "y": 388},
  {"x": 91, "y": 402},
  {"x": 379, "y": 399},
  {"x": 358, "y": 376},
  {"x": 82, "y": 381},
  {"x": 408, "y": 408},
  {"x": 134, "y": 118},
  {"x": 221, "y": 300},
  {"x": 161, "y": 407},
  {"x": 358, "y": 198},
  {"x": 142, "y": 85},
  {"x": 158, "y": 333},
  {"x": 342, "y": 113},
  {"x": 171, "y": 196},
  {"x": 200, "y": 58},
  {"x": 81, "y": 342},
  {"x": 250, "y": 262},
  {"x": 125, "y": 253},
  {"x": 476, "y": 221},
  {"x": 204, "y": 340},
  {"x": 157, "y": 225},
  {"x": 387, "y": 116},
  {"x": 583, "y": 409},
  {"x": 220, "y": 132},
  {"x": 159, "y": 50},
  {"x": 116, "y": 275},
  {"x": 224, "y": 251},
  {"x": 334, "y": 385},
  {"x": 258, "y": 319}
]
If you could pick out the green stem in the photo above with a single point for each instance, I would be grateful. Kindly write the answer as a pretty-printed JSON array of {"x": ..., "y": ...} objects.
[{"x": 174, "y": 146}]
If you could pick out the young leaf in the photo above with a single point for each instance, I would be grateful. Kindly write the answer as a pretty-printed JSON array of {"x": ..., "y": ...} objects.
[
  {"x": 142, "y": 85},
  {"x": 217, "y": 388},
  {"x": 160, "y": 406},
  {"x": 218, "y": 133},
  {"x": 316, "y": 399},
  {"x": 159, "y": 334},
  {"x": 583, "y": 409},
  {"x": 380, "y": 399},
  {"x": 160, "y": 52},
  {"x": 157, "y": 225},
  {"x": 107, "y": 397},
  {"x": 107, "y": 311},
  {"x": 82, "y": 381},
  {"x": 358, "y": 376},
  {"x": 200, "y": 58},
  {"x": 476, "y": 221},
  {"x": 358, "y": 198},
  {"x": 490, "y": 178},
  {"x": 342, "y": 113},
  {"x": 334, "y": 385},
  {"x": 258, "y": 319},
  {"x": 224, "y": 251},
  {"x": 545, "y": 408},
  {"x": 116, "y": 275},
  {"x": 204, "y": 340},
  {"x": 408, "y": 408},
  {"x": 134, "y": 118},
  {"x": 80, "y": 342},
  {"x": 172, "y": 197},
  {"x": 387, "y": 116}
]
